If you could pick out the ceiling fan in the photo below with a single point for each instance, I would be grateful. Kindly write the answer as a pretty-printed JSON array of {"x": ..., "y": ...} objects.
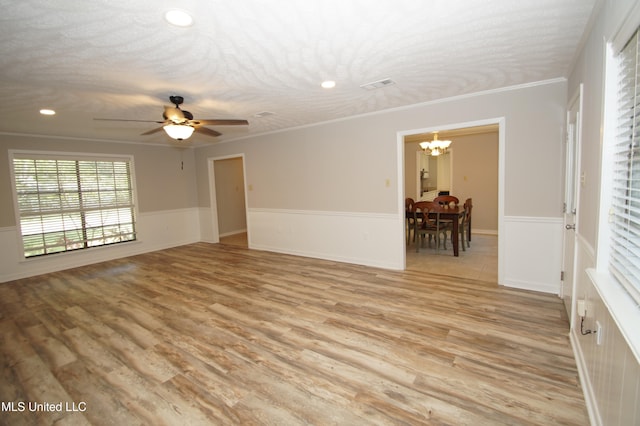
[{"x": 179, "y": 124}]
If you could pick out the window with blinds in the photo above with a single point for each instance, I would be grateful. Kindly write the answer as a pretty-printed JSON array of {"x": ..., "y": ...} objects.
[
  {"x": 66, "y": 203},
  {"x": 625, "y": 212}
]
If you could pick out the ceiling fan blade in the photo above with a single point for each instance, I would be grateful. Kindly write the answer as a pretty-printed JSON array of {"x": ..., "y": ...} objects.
[
  {"x": 208, "y": 132},
  {"x": 221, "y": 122},
  {"x": 149, "y": 132},
  {"x": 174, "y": 114},
  {"x": 124, "y": 119}
]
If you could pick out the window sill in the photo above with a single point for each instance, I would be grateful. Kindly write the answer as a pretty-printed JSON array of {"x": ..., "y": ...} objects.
[
  {"x": 76, "y": 254},
  {"x": 621, "y": 307}
]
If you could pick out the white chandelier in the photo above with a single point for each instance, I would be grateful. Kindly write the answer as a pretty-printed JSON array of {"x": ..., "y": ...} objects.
[
  {"x": 179, "y": 131},
  {"x": 435, "y": 147}
]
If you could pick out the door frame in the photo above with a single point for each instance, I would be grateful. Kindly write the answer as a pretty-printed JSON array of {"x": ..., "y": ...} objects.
[
  {"x": 569, "y": 237},
  {"x": 501, "y": 122},
  {"x": 213, "y": 199}
]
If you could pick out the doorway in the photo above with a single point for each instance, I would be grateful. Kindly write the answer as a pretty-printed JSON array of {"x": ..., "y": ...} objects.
[
  {"x": 464, "y": 175},
  {"x": 228, "y": 200},
  {"x": 433, "y": 175}
]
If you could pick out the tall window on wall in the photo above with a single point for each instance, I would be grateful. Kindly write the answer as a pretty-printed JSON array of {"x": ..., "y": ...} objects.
[
  {"x": 72, "y": 202},
  {"x": 625, "y": 211}
]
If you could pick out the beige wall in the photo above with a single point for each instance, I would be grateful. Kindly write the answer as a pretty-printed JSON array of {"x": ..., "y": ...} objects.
[
  {"x": 343, "y": 167},
  {"x": 475, "y": 175},
  {"x": 410, "y": 165},
  {"x": 352, "y": 165},
  {"x": 165, "y": 175}
]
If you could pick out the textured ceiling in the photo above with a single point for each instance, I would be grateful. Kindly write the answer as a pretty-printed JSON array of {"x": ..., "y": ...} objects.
[{"x": 121, "y": 59}]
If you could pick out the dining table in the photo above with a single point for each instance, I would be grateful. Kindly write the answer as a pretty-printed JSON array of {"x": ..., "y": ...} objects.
[{"x": 452, "y": 213}]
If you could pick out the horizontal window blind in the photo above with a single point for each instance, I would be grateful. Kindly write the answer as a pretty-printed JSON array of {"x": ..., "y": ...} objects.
[
  {"x": 72, "y": 203},
  {"x": 625, "y": 213}
]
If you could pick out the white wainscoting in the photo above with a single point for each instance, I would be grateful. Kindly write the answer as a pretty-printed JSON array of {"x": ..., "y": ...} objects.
[
  {"x": 532, "y": 256},
  {"x": 371, "y": 239},
  {"x": 584, "y": 259},
  {"x": 207, "y": 232},
  {"x": 156, "y": 231},
  {"x": 610, "y": 371}
]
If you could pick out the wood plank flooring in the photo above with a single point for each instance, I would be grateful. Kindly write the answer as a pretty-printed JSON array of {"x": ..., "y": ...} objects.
[{"x": 218, "y": 334}]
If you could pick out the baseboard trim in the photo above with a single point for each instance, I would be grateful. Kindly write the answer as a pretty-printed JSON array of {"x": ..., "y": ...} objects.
[
  {"x": 585, "y": 382},
  {"x": 324, "y": 256},
  {"x": 229, "y": 234}
]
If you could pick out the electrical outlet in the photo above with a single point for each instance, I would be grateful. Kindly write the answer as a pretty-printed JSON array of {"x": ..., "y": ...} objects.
[
  {"x": 598, "y": 333},
  {"x": 581, "y": 308}
]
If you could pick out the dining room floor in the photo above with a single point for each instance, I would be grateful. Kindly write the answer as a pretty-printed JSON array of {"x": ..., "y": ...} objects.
[{"x": 480, "y": 261}]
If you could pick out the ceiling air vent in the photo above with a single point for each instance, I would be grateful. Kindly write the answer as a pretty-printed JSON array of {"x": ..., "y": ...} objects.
[
  {"x": 263, "y": 114},
  {"x": 378, "y": 84}
]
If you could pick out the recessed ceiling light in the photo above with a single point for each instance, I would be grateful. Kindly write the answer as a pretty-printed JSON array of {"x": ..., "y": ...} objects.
[
  {"x": 45, "y": 111},
  {"x": 178, "y": 17},
  {"x": 329, "y": 84}
]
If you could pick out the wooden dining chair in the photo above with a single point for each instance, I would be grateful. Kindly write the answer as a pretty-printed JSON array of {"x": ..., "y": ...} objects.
[
  {"x": 446, "y": 200},
  {"x": 427, "y": 222},
  {"x": 468, "y": 206},
  {"x": 408, "y": 204},
  {"x": 462, "y": 231},
  {"x": 408, "y": 214}
]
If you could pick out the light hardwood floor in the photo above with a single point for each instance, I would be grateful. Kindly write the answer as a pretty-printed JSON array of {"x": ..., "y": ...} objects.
[{"x": 219, "y": 334}]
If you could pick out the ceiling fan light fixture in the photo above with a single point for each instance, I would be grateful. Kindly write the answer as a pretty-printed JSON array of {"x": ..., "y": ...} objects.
[
  {"x": 179, "y": 18},
  {"x": 179, "y": 132}
]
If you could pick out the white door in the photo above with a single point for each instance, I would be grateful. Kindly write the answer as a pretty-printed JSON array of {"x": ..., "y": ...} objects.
[{"x": 572, "y": 173}]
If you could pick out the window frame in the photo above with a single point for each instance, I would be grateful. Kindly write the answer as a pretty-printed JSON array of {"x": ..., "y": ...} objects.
[
  {"x": 620, "y": 304},
  {"x": 69, "y": 156},
  {"x": 624, "y": 203}
]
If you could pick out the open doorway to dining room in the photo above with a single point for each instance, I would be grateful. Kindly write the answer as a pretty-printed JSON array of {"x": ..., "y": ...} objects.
[{"x": 472, "y": 168}]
